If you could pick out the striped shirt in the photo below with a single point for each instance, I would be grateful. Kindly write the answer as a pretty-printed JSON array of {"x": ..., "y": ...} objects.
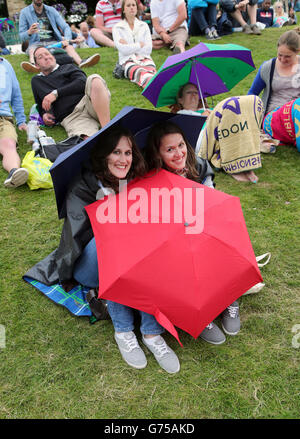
[{"x": 105, "y": 8}]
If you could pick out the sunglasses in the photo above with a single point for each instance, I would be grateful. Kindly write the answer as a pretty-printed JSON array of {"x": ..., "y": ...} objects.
[{"x": 114, "y": 7}]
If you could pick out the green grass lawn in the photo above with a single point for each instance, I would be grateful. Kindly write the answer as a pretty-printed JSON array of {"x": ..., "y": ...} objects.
[{"x": 55, "y": 365}]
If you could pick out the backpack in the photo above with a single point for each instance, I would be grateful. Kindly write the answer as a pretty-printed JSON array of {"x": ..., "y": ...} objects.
[{"x": 52, "y": 151}]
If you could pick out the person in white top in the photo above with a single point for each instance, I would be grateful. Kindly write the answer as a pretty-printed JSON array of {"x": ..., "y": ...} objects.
[
  {"x": 132, "y": 39},
  {"x": 169, "y": 24}
]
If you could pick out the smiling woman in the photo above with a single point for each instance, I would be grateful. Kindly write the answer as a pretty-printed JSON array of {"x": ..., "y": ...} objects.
[{"x": 279, "y": 79}]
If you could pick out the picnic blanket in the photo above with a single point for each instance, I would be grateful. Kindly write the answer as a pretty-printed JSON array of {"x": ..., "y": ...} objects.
[
  {"x": 75, "y": 300},
  {"x": 231, "y": 138}
]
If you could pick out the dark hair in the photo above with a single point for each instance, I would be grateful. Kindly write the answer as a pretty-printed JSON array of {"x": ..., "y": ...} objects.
[
  {"x": 152, "y": 154},
  {"x": 37, "y": 48},
  {"x": 123, "y": 6},
  {"x": 290, "y": 39},
  {"x": 100, "y": 152},
  {"x": 180, "y": 96}
]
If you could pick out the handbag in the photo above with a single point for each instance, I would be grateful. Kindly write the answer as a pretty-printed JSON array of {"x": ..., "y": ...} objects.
[{"x": 52, "y": 151}]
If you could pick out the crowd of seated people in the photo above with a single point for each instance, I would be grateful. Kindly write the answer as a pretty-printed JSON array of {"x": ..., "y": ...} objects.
[{"x": 81, "y": 105}]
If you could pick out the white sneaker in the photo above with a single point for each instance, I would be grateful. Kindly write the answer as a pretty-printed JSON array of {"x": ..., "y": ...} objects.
[
  {"x": 16, "y": 177},
  {"x": 130, "y": 349},
  {"x": 91, "y": 61},
  {"x": 163, "y": 354}
]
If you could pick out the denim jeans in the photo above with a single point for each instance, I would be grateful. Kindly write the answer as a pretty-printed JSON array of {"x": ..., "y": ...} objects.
[
  {"x": 123, "y": 319},
  {"x": 203, "y": 18},
  {"x": 86, "y": 267},
  {"x": 86, "y": 273}
]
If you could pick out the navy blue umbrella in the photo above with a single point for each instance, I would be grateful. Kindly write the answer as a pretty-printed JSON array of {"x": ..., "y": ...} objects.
[{"x": 138, "y": 121}]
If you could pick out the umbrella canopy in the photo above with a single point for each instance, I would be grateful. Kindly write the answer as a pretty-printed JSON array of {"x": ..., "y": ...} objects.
[
  {"x": 213, "y": 68},
  {"x": 184, "y": 269},
  {"x": 138, "y": 121}
]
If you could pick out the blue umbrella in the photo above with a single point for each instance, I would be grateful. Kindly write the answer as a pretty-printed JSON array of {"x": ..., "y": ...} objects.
[{"x": 138, "y": 121}]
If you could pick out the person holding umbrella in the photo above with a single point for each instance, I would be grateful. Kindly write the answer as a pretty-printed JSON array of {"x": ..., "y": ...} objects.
[
  {"x": 168, "y": 148},
  {"x": 115, "y": 158},
  {"x": 133, "y": 40}
]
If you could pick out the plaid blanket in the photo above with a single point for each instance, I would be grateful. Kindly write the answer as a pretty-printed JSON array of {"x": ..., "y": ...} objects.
[{"x": 75, "y": 300}]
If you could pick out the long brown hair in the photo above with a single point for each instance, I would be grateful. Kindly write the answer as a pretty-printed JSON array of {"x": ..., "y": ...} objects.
[
  {"x": 100, "y": 153},
  {"x": 152, "y": 154},
  {"x": 123, "y": 7}
]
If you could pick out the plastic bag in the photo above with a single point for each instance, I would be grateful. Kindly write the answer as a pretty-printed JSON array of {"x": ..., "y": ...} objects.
[{"x": 38, "y": 168}]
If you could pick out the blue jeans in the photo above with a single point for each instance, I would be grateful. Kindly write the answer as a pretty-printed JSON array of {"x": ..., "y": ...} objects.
[
  {"x": 203, "y": 18},
  {"x": 86, "y": 267},
  {"x": 123, "y": 319},
  {"x": 86, "y": 273}
]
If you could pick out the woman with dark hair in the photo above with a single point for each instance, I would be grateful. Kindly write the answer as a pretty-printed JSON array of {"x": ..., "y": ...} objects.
[
  {"x": 279, "y": 79},
  {"x": 133, "y": 40},
  {"x": 168, "y": 148},
  {"x": 75, "y": 260}
]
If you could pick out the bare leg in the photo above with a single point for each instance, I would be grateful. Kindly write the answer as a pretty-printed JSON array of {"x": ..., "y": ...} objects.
[
  {"x": 241, "y": 176},
  {"x": 245, "y": 176},
  {"x": 100, "y": 101},
  {"x": 73, "y": 54},
  {"x": 181, "y": 46},
  {"x": 252, "y": 177},
  {"x": 238, "y": 17},
  {"x": 252, "y": 13},
  {"x": 10, "y": 157},
  {"x": 30, "y": 53},
  {"x": 158, "y": 44},
  {"x": 101, "y": 39}
]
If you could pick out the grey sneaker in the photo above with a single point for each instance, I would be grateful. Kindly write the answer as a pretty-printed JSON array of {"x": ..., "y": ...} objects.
[
  {"x": 91, "y": 61},
  {"x": 255, "y": 29},
  {"x": 247, "y": 29},
  {"x": 213, "y": 334},
  {"x": 163, "y": 354},
  {"x": 16, "y": 177},
  {"x": 215, "y": 34},
  {"x": 209, "y": 35},
  {"x": 131, "y": 350},
  {"x": 231, "y": 319}
]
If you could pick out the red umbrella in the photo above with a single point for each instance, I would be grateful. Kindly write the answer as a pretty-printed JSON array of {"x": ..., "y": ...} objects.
[{"x": 183, "y": 258}]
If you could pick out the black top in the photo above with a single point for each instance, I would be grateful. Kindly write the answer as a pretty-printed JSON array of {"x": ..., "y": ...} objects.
[{"x": 69, "y": 81}]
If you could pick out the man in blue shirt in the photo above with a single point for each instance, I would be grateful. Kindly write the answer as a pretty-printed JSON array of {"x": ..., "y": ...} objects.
[
  {"x": 42, "y": 25},
  {"x": 10, "y": 96}
]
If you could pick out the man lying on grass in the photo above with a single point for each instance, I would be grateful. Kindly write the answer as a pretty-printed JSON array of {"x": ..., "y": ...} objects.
[{"x": 65, "y": 95}]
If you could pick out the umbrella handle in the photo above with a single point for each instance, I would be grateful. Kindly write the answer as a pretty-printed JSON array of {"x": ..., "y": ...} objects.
[
  {"x": 199, "y": 88},
  {"x": 261, "y": 257}
]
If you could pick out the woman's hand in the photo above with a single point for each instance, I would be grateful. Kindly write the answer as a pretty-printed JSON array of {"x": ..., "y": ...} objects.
[{"x": 122, "y": 41}]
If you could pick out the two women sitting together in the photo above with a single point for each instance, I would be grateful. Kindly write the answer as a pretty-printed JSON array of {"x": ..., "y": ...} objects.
[{"x": 118, "y": 157}]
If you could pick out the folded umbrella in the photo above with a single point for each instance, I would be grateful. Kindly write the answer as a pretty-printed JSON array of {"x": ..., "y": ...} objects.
[
  {"x": 184, "y": 257},
  {"x": 213, "y": 68}
]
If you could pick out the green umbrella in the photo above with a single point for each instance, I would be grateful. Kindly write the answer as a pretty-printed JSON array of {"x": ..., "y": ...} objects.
[{"x": 213, "y": 68}]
